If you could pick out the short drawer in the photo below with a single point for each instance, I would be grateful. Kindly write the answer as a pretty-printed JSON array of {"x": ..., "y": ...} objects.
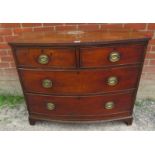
[
  {"x": 76, "y": 106},
  {"x": 111, "y": 55},
  {"x": 46, "y": 57},
  {"x": 80, "y": 82}
]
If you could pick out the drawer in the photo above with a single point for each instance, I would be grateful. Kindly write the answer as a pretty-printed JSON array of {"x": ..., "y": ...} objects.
[
  {"x": 76, "y": 106},
  {"x": 46, "y": 57},
  {"x": 80, "y": 81},
  {"x": 111, "y": 55}
]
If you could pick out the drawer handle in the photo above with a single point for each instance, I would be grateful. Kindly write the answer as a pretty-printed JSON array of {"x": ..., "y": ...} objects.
[
  {"x": 114, "y": 56},
  {"x": 43, "y": 59},
  {"x": 112, "y": 81},
  {"x": 50, "y": 106},
  {"x": 46, "y": 83},
  {"x": 109, "y": 105}
]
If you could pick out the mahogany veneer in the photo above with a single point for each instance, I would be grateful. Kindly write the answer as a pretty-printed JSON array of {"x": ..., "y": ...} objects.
[
  {"x": 80, "y": 75},
  {"x": 79, "y": 106},
  {"x": 79, "y": 82},
  {"x": 59, "y": 58}
]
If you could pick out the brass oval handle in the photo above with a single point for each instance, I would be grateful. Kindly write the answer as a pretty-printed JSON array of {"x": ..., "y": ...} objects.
[
  {"x": 112, "y": 81},
  {"x": 114, "y": 56},
  {"x": 109, "y": 105},
  {"x": 43, "y": 59},
  {"x": 50, "y": 106},
  {"x": 46, "y": 83}
]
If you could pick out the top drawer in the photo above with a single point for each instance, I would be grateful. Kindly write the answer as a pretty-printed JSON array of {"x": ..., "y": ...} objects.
[
  {"x": 111, "y": 55},
  {"x": 46, "y": 57}
]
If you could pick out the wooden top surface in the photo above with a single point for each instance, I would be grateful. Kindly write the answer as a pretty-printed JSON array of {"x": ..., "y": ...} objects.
[{"x": 79, "y": 37}]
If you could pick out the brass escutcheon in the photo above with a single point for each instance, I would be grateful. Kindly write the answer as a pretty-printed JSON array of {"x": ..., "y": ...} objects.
[
  {"x": 112, "y": 81},
  {"x": 43, "y": 59},
  {"x": 114, "y": 56},
  {"x": 46, "y": 83},
  {"x": 50, "y": 106},
  {"x": 109, "y": 105}
]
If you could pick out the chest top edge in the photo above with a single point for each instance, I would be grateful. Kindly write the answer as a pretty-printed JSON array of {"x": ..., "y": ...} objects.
[{"x": 82, "y": 44}]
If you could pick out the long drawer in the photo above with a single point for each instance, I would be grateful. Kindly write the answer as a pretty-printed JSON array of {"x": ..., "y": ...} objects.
[
  {"x": 80, "y": 81},
  {"x": 80, "y": 105}
]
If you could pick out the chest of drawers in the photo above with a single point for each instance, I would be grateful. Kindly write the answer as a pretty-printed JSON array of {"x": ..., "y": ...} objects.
[{"x": 80, "y": 76}]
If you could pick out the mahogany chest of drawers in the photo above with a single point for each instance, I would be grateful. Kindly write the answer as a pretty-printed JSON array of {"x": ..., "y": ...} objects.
[{"x": 80, "y": 76}]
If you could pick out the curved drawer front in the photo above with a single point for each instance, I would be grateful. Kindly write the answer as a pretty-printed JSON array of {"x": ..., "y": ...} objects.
[
  {"x": 46, "y": 57},
  {"x": 111, "y": 55},
  {"x": 79, "y": 82},
  {"x": 76, "y": 106}
]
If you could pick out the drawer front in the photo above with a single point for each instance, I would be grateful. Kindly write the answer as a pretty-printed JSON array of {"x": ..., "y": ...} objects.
[
  {"x": 79, "y": 82},
  {"x": 46, "y": 57},
  {"x": 111, "y": 55},
  {"x": 76, "y": 106}
]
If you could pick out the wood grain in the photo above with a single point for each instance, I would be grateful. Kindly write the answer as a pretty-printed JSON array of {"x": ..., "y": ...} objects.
[
  {"x": 58, "y": 57},
  {"x": 80, "y": 105},
  {"x": 79, "y": 82},
  {"x": 79, "y": 67},
  {"x": 91, "y": 57},
  {"x": 70, "y": 38}
]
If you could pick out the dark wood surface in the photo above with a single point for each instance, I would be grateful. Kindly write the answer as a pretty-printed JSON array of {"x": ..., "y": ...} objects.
[
  {"x": 79, "y": 82},
  {"x": 58, "y": 58},
  {"x": 79, "y": 67},
  {"x": 90, "y": 57},
  {"x": 123, "y": 116},
  {"x": 99, "y": 56},
  {"x": 80, "y": 105},
  {"x": 79, "y": 37}
]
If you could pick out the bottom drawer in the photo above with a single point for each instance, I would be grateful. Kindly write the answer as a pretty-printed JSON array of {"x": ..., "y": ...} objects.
[{"x": 80, "y": 106}]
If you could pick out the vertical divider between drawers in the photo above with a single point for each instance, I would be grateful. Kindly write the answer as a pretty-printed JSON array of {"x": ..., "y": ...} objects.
[{"x": 77, "y": 55}]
